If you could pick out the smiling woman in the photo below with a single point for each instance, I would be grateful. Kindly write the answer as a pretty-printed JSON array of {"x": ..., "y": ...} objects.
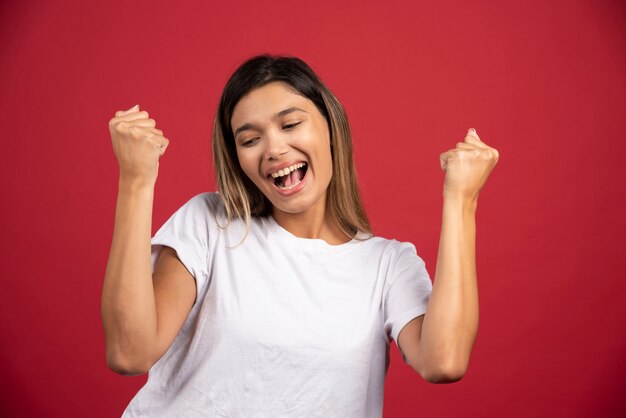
[
  {"x": 272, "y": 297},
  {"x": 267, "y": 101},
  {"x": 287, "y": 155}
]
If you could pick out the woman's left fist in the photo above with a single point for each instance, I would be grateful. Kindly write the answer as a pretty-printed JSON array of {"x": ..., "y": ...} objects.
[{"x": 467, "y": 166}]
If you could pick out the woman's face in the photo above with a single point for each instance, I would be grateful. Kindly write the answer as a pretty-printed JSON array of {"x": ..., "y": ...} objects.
[{"x": 283, "y": 146}]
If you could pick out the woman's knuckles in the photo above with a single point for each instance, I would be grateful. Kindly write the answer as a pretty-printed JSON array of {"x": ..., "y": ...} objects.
[
  {"x": 136, "y": 132},
  {"x": 145, "y": 134},
  {"x": 488, "y": 155},
  {"x": 471, "y": 139},
  {"x": 121, "y": 127}
]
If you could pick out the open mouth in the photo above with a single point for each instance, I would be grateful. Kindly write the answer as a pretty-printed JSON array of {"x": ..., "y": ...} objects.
[{"x": 290, "y": 177}]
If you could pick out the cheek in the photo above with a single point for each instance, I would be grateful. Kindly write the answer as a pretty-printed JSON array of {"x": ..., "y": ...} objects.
[
  {"x": 248, "y": 161},
  {"x": 325, "y": 154},
  {"x": 244, "y": 162},
  {"x": 318, "y": 141},
  {"x": 329, "y": 164}
]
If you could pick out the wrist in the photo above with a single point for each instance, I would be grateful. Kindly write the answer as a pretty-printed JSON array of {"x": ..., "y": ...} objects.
[
  {"x": 135, "y": 185},
  {"x": 467, "y": 204}
]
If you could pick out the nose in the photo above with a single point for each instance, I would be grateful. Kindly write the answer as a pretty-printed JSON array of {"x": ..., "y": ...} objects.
[{"x": 276, "y": 145}]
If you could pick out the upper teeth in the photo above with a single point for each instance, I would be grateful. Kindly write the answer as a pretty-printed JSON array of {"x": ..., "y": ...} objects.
[{"x": 287, "y": 170}]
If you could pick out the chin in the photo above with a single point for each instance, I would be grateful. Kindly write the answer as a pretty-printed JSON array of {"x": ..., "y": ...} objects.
[{"x": 293, "y": 207}]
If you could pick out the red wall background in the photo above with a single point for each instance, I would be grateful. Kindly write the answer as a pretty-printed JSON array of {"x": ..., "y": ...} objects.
[{"x": 543, "y": 82}]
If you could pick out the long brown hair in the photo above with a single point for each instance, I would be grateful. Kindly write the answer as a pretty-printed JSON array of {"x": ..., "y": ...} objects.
[{"x": 241, "y": 198}]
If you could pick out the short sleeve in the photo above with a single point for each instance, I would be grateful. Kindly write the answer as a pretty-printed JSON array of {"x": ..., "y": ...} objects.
[
  {"x": 187, "y": 232},
  {"x": 407, "y": 289}
]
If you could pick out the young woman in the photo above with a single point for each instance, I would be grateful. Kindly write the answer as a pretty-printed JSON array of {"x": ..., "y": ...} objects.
[{"x": 272, "y": 298}]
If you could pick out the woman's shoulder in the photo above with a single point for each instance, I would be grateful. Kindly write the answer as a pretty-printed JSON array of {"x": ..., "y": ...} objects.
[
  {"x": 205, "y": 205},
  {"x": 206, "y": 201},
  {"x": 390, "y": 246},
  {"x": 204, "y": 198}
]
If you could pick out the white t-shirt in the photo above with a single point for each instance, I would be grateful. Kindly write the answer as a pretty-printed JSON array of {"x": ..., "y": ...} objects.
[{"x": 282, "y": 326}]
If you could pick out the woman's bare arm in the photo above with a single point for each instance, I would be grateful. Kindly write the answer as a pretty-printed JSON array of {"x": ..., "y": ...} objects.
[
  {"x": 141, "y": 314},
  {"x": 439, "y": 344}
]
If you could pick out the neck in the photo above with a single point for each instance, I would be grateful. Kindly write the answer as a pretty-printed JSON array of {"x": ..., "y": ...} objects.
[{"x": 316, "y": 222}]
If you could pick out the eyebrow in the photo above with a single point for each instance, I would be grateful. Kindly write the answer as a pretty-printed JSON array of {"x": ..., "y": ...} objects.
[{"x": 247, "y": 126}]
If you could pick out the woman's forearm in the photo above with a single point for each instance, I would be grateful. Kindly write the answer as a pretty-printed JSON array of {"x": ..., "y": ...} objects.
[
  {"x": 128, "y": 302},
  {"x": 451, "y": 321}
]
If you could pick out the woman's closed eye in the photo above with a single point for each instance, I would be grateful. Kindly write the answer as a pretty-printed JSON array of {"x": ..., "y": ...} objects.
[
  {"x": 291, "y": 125},
  {"x": 252, "y": 141},
  {"x": 249, "y": 142}
]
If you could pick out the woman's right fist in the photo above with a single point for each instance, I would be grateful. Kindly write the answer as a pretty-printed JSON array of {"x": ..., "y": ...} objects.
[{"x": 137, "y": 144}]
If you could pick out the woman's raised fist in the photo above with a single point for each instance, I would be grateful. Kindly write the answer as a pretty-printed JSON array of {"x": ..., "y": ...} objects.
[
  {"x": 137, "y": 144},
  {"x": 467, "y": 166}
]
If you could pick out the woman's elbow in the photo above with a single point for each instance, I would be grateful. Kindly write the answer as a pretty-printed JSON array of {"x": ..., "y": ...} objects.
[
  {"x": 449, "y": 373},
  {"x": 125, "y": 366},
  {"x": 441, "y": 376}
]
